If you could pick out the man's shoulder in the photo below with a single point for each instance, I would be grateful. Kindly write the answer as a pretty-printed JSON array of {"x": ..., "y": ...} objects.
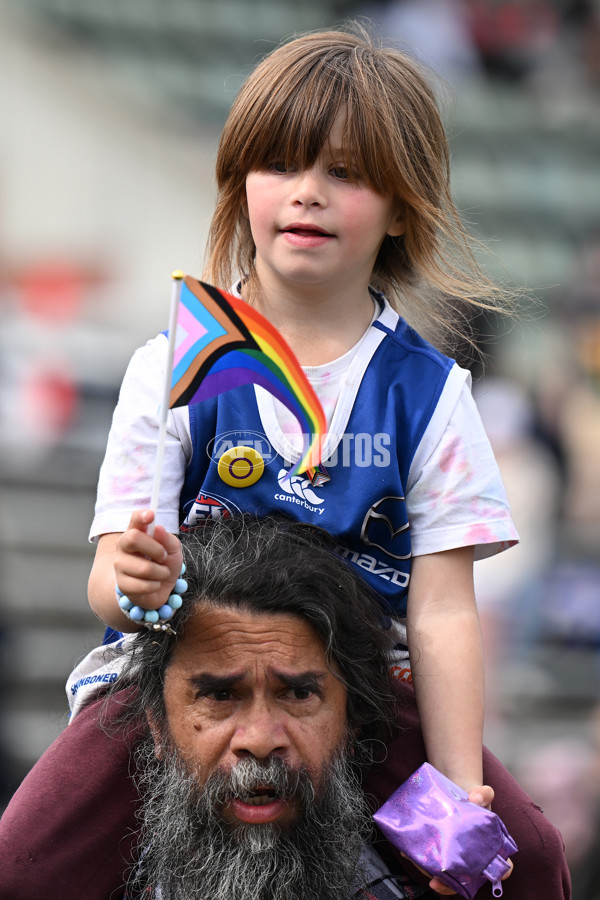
[{"x": 380, "y": 883}]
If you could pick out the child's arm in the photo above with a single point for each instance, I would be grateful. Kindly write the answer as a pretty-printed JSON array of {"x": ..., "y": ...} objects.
[
  {"x": 144, "y": 566},
  {"x": 446, "y": 653}
]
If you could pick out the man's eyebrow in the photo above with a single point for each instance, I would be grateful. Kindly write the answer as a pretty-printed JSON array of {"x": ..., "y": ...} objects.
[
  {"x": 311, "y": 681},
  {"x": 207, "y": 683}
]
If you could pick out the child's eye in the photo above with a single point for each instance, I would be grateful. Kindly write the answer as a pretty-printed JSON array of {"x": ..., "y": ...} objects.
[
  {"x": 340, "y": 172},
  {"x": 345, "y": 173},
  {"x": 281, "y": 168}
]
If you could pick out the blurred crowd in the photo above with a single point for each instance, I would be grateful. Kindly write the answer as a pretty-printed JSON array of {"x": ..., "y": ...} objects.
[
  {"x": 518, "y": 41},
  {"x": 540, "y": 609}
]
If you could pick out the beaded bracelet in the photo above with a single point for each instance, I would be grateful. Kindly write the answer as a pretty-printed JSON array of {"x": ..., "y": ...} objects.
[{"x": 155, "y": 619}]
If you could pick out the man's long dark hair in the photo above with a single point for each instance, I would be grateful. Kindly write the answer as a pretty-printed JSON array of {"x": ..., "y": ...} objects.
[{"x": 272, "y": 566}]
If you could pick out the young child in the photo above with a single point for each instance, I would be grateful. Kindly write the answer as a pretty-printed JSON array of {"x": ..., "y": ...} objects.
[{"x": 335, "y": 216}]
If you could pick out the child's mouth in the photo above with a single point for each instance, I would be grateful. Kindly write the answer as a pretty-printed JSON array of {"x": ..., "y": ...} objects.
[
  {"x": 306, "y": 235},
  {"x": 309, "y": 232}
]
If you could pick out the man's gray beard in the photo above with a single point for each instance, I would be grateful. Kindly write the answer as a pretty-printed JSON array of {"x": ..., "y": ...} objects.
[{"x": 191, "y": 853}]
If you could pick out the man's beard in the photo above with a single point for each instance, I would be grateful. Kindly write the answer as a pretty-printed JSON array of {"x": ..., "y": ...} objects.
[{"x": 190, "y": 853}]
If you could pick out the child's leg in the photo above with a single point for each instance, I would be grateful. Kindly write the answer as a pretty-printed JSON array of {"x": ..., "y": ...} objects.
[
  {"x": 68, "y": 830},
  {"x": 540, "y": 871}
]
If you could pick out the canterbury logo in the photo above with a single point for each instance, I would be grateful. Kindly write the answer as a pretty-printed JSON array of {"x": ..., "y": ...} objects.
[{"x": 299, "y": 486}]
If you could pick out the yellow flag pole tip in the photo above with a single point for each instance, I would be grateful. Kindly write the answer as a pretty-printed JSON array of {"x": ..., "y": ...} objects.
[{"x": 177, "y": 275}]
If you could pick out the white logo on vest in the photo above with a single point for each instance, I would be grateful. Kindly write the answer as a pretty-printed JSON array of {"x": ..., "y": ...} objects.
[{"x": 298, "y": 490}]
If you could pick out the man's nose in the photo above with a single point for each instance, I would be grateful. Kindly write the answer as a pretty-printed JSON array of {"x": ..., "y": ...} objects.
[{"x": 259, "y": 732}]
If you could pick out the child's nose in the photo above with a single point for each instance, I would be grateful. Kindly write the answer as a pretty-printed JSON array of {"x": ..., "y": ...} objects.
[{"x": 309, "y": 188}]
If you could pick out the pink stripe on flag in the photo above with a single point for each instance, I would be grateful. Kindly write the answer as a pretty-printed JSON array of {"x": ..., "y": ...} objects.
[{"x": 189, "y": 330}]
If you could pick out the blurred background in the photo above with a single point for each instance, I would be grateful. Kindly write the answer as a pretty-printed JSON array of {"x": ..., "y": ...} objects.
[{"x": 111, "y": 110}]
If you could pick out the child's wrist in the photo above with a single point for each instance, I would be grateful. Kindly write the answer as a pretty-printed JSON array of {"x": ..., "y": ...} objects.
[{"x": 154, "y": 619}]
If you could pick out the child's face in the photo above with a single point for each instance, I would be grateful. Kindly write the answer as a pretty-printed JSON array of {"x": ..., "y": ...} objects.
[{"x": 320, "y": 226}]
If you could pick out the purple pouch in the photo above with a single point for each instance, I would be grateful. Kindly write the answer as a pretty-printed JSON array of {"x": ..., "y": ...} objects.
[{"x": 433, "y": 822}]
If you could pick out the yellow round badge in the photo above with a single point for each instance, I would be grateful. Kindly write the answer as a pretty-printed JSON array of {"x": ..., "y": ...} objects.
[{"x": 240, "y": 466}]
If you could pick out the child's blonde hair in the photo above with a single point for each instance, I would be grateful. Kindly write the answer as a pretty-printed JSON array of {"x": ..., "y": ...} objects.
[{"x": 395, "y": 142}]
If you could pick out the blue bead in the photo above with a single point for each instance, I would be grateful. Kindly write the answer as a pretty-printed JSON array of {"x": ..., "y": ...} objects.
[
  {"x": 175, "y": 601},
  {"x": 183, "y": 568},
  {"x": 151, "y": 615},
  {"x": 181, "y": 586},
  {"x": 165, "y": 612},
  {"x": 118, "y": 591},
  {"x": 125, "y": 603},
  {"x": 136, "y": 613}
]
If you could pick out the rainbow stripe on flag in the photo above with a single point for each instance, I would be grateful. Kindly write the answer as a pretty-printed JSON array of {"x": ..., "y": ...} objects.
[{"x": 222, "y": 343}]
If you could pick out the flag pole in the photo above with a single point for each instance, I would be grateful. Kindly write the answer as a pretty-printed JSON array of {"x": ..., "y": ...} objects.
[{"x": 177, "y": 277}]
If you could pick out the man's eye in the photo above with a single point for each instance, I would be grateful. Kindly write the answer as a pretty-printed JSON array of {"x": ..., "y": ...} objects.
[
  {"x": 220, "y": 695},
  {"x": 300, "y": 693}
]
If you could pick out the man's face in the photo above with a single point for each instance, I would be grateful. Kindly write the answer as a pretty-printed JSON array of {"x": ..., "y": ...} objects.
[{"x": 244, "y": 686}]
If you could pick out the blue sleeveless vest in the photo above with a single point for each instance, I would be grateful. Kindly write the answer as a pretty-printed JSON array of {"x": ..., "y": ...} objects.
[{"x": 363, "y": 505}]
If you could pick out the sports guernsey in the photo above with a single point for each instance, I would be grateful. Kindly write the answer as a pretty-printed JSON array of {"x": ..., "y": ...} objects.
[{"x": 364, "y": 503}]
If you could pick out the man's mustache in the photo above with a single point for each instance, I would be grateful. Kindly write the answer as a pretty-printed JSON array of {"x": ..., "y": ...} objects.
[{"x": 260, "y": 781}]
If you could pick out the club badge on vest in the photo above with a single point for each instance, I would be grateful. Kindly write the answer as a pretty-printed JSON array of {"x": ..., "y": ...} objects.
[{"x": 208, "y": 506}]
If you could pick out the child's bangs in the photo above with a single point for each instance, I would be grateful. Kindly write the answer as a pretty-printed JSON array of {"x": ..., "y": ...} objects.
[
  {"x": 292, "y": 140},
  {"x": 370, "y": 148},
  {"x": 293, "y": 122}
]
